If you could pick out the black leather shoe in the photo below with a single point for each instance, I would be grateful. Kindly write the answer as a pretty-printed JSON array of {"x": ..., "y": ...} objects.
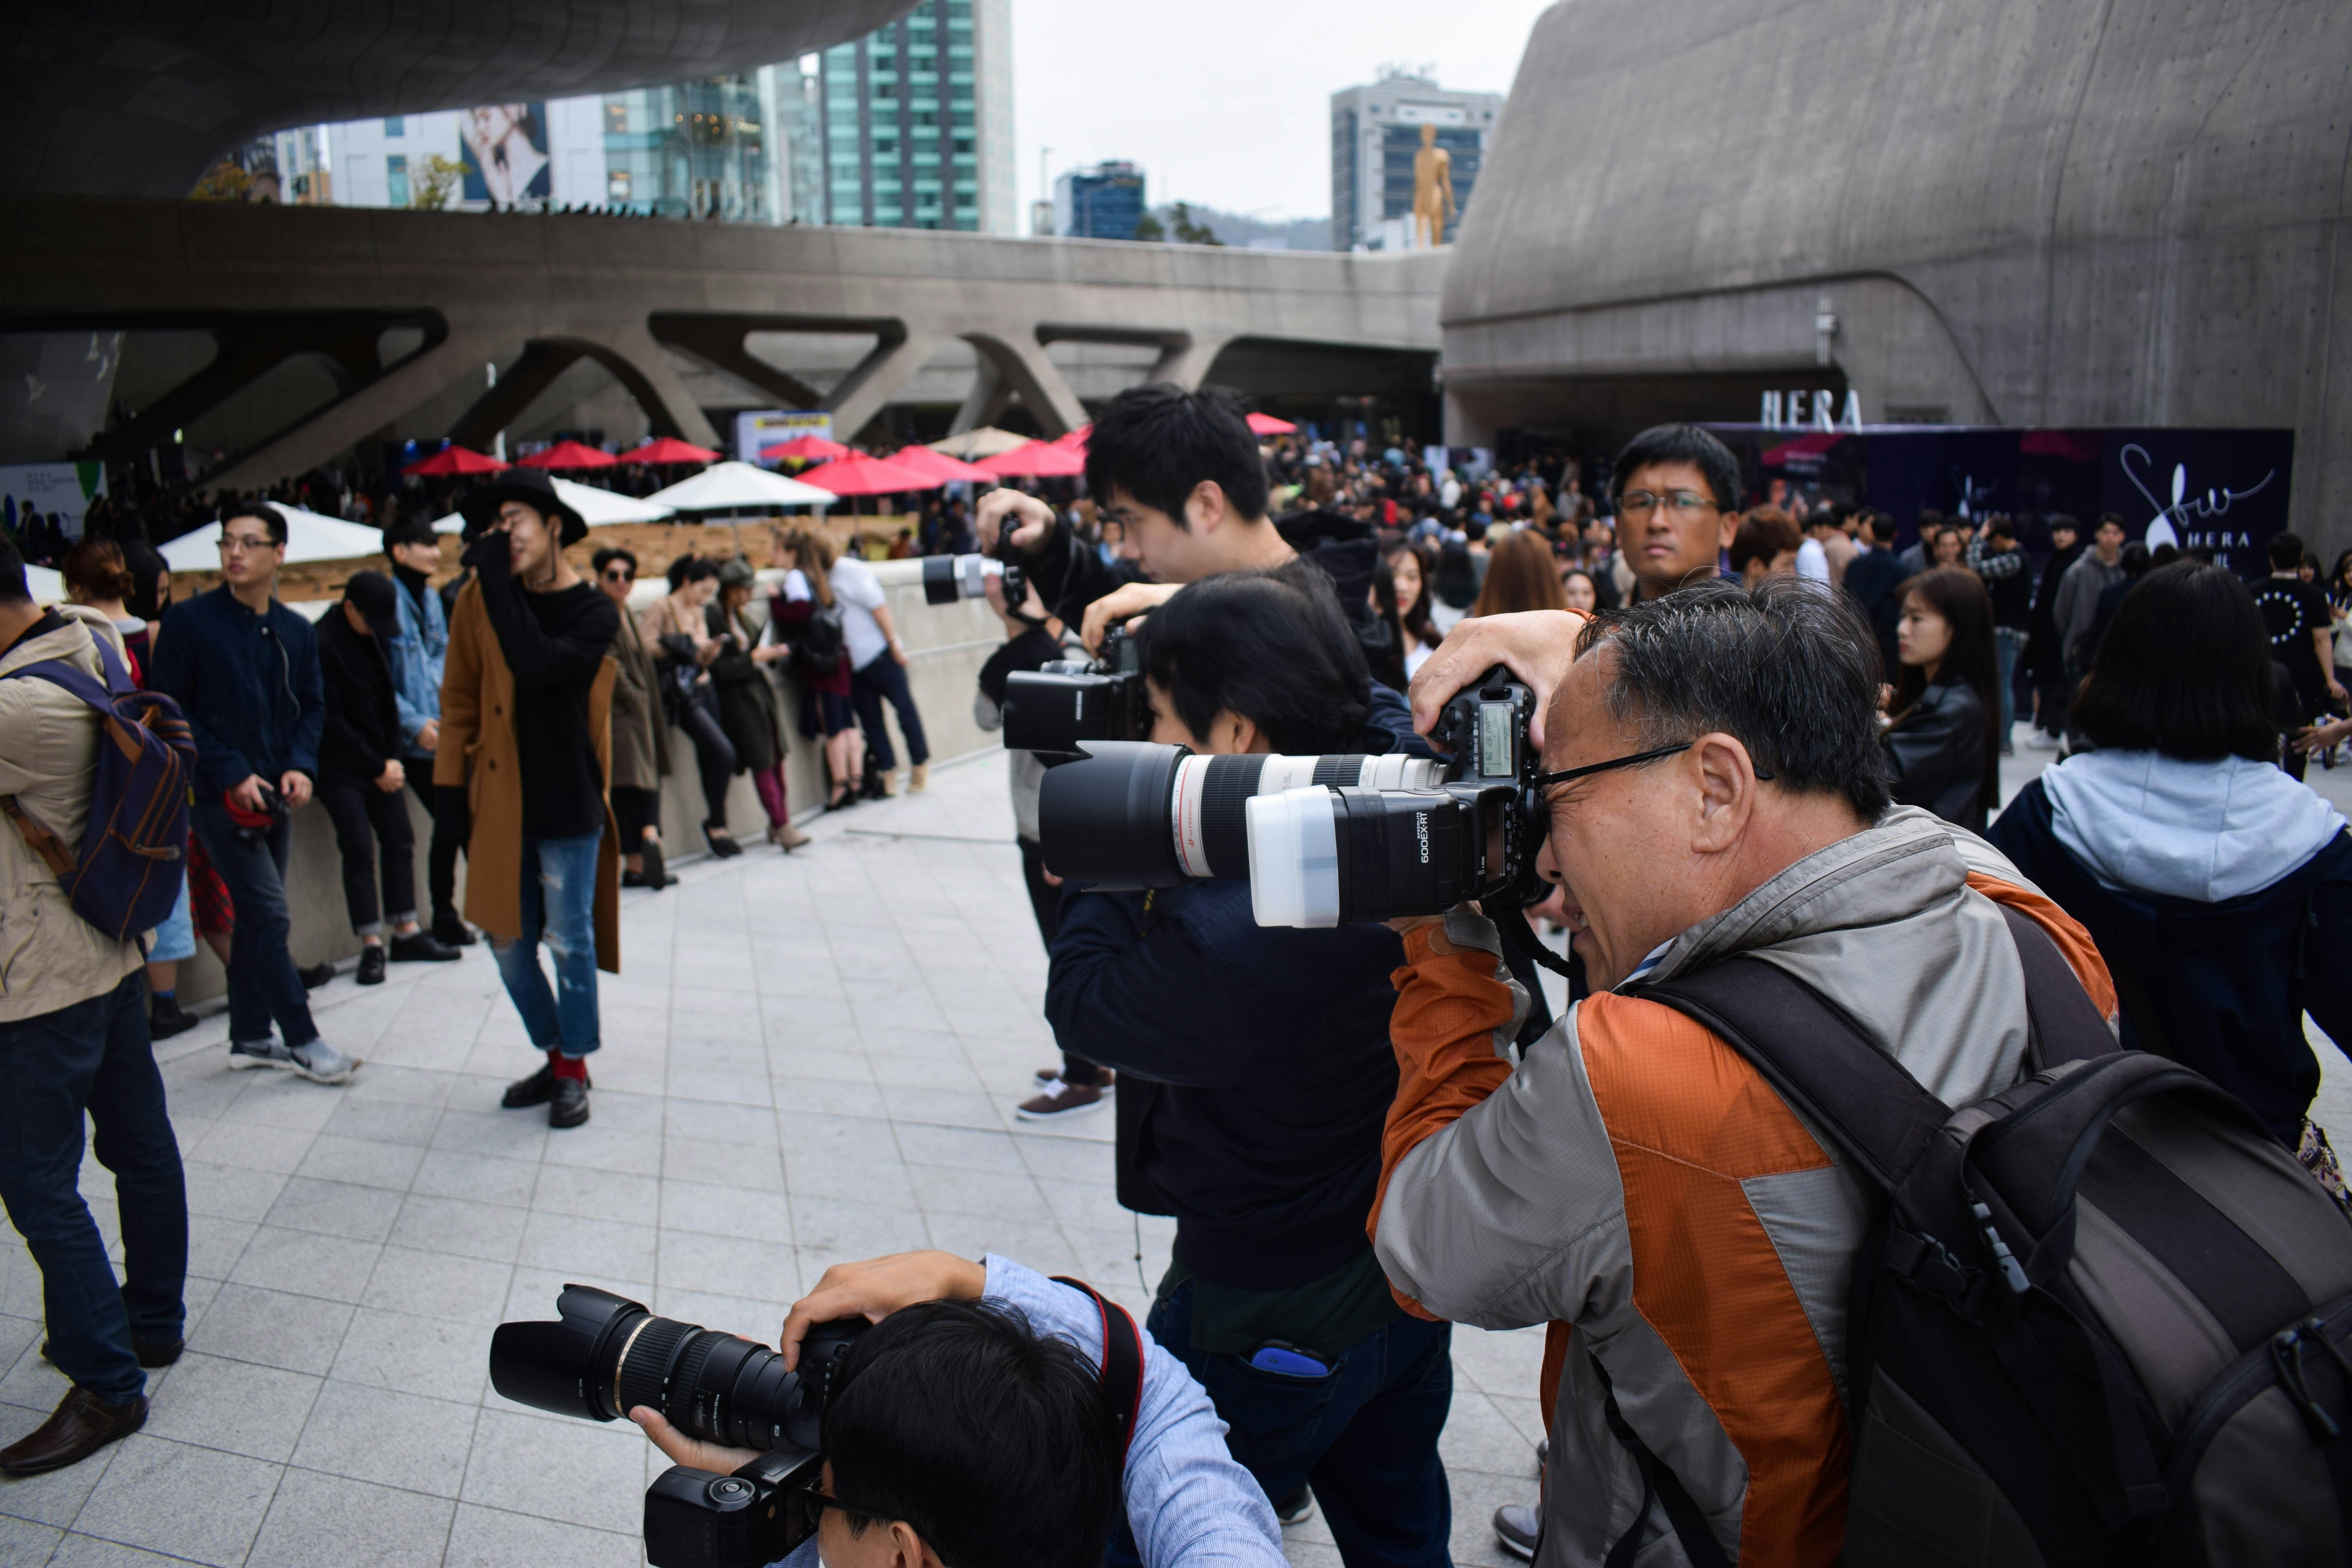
[
  {"x": 569, "y": 1107},
  {"x": 150, "y": 1352},
  {"x": 536, "y": 1089},
  {"x": 82, "y": 1425},
  {"x": 317, "y": 974},
  {"x": 451, "y": 932},
  {"x": 421, "y": 947},
  {"x": 372, "y": 964},
  {"x": 656, "y": 875},
  {"x": 166, "y": 1017}
]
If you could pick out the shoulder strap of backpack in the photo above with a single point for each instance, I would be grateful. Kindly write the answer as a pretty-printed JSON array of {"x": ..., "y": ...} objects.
[
  {"x": 81, "y": 684},
  {"x": 1122, "y": 1361},
  {"x": 2065, "y": 1025}
]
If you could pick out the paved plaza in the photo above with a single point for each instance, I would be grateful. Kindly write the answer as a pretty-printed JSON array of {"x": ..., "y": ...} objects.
[{"x": 807, "y": 1058}]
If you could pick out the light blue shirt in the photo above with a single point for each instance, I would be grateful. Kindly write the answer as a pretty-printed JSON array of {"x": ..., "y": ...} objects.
[
  {"x": 418, "y": 655},
  {"x": 1189, "y": 1505}
]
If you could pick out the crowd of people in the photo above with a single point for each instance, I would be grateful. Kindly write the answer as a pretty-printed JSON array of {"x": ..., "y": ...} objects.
[{"x": 1769, "y": 747}]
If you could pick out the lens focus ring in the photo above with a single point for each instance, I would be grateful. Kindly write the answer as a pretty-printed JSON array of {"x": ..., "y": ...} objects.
[{"x": 644, "y": 1364}]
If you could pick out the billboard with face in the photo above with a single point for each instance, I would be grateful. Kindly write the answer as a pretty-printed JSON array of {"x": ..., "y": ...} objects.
[{"x": 506, "y": 154}]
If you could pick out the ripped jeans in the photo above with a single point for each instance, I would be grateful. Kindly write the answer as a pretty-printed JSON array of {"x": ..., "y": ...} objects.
[{"x": 559, "y": 907}]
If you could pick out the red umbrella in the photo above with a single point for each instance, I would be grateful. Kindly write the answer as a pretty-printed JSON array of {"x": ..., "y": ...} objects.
[
  {"x": 571, "y": 454},
  {"x": 817, "y": 448},
  {"x": 937, "y": 464},
  {"x": 862, "y": 475},
  {"x": 669, "y": 449},
  {"x": 455, "y": 461},
  {"x": 1267, "y": 425},
  {"x": 1038, "y": 459}
]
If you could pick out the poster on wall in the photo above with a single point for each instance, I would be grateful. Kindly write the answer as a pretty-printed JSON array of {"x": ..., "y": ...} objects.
[
  {"x": 768, "y": 427},
  {"x": 505, "y": 154},
  {"x": 57, "y": 493}
]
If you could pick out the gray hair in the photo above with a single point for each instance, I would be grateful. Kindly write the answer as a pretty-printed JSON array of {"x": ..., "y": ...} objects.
[{"x": 1787, "y": 669}]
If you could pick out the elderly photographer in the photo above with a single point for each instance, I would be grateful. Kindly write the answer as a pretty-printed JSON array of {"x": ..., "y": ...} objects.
[
  {"x": 1632, "y": 1176},
  {"x": 971, "y": 1428}
]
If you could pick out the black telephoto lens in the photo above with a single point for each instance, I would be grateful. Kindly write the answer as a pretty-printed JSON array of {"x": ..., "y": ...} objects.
[{"x": 605, "y": 1355}]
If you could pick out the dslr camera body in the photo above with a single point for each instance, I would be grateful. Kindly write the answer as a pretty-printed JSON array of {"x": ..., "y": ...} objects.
[
  {"x": 1067, "y": 705},
  {"x": 1323, "y": 840},
  {"x": 604, "y": 1355}
]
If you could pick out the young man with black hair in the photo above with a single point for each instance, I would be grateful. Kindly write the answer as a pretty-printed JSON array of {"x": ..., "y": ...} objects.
[
  {"x": 419, "y": 649},
  {"x": 1994, "y": 556},
  {"x": 2302, "y": 632},
  {"x": 525, "y": 710},
  {"x": 74, "y": 1045},
  {"x": 362, "y": 781},
  {"x": 245, "y": 670},
  {"x": 1039, "y": 1485},
  {"x": 1870, "y": 580},
  {"x": 1255, "y": 1066},
  {"x": 2045, "y": 652},
  {"x": 1678, "y": 493}
]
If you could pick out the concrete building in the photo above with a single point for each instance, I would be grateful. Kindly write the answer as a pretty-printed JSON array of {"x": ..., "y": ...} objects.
[
  {"x": 1376, "y": 131},
  {"x": 917, "y": 121},
  {"x": 1985, "y": 212},
  {"x": 115, "y": 97},
  {"x": 1105, "y": 202}
]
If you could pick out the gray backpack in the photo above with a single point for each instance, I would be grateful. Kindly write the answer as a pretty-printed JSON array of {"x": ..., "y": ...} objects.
[{"x": 2102, "y": 1316}]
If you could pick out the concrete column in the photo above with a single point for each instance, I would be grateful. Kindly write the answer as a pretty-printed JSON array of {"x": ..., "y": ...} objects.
[
  {"x": 1021, "y": 359},
  {"x": 1185, "y": 359},
  {"x": 862, "y": 394},
  {"x": 984, "y": 404},
  {"x": 632, "y": 355}
]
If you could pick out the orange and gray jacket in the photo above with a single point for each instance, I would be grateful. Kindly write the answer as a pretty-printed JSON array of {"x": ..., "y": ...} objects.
[{"x": 1633, "y": 1182}]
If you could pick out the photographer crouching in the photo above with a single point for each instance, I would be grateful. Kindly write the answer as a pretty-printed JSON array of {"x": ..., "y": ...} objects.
[
  {"x": 1255, "y": 1066},
  {"x": 991, "y": 1418}
]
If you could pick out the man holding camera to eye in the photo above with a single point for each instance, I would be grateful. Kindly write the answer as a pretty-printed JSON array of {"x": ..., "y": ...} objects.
[
  {"x": 1254, "y": 1066},
  {"x": 973, "y": 1427},
  {"x": 1714, "y": 790},
  {"x": 244, "y": 669}
]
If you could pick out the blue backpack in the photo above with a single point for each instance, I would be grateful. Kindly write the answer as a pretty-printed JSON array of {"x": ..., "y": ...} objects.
[{"x": 126, "y": 876}]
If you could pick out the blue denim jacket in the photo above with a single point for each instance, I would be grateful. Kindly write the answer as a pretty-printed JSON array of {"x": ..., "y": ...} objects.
[
  {"x": 418, "y": 654},
  {"x": 1189, "y": 1505}
]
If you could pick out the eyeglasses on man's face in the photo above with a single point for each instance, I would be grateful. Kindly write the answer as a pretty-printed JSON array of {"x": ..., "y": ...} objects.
[
  {"x": 1681, "y": 505},
  {"x": 619, "y": 574},
  {"x": 246, "y": 543}
]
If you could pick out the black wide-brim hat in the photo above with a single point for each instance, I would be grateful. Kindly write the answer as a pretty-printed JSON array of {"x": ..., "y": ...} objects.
[{"x": 529, "y": 485}]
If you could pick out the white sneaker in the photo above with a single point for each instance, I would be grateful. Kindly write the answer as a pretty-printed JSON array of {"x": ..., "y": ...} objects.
[
  {"x": 318, "y": 1061},
  {"x": 2043, "y": 741},
  {"x": 1058, "y": 1098}
]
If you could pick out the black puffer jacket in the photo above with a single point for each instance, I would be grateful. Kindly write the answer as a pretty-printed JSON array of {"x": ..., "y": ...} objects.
[
  {"x": 1349, "y": 550},
  {"x": 362, "y": 728}
]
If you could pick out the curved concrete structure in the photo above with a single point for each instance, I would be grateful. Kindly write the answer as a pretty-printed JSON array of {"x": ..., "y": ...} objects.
[
  {"x": 2020, "y": 211},
  {"x": 139, "y": 97},
  {"x": 404, "y": 308}
]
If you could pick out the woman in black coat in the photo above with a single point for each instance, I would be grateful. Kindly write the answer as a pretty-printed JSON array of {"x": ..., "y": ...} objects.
[
  {"x": 747, "y": 699},
  {"x": 1942, "y": 738}
]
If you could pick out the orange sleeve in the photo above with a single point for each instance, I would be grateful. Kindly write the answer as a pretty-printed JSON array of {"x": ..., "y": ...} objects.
[
  {"x": 2062, "y": 928},
  {"x": 1449, "y": 1004}
]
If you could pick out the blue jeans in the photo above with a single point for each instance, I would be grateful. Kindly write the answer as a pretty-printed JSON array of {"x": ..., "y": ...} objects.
[
  {"x": 262, "y": 983},
  {"x": 558, "y": 908},
  {"x": 1365, "y": 1436},
  {"x": 2009, "y": 647},
  {"x": 175, "y": 938},
  {"x": 95, "y": 1057}
]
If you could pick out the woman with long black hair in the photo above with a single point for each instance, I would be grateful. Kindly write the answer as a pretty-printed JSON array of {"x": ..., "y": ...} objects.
[
  {"x": 679, "y": 632},
  {"x": 1943, "y": 736},
  {"x": 2218, "y": 889}
]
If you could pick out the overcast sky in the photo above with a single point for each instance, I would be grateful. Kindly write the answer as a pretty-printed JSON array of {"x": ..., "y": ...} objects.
[{"x": 1227, "y": 102}]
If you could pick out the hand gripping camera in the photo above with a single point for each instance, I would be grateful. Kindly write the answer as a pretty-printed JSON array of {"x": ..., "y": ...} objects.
[
  {"x": 1323, "y": 840},
  {"x": 605, "y": 1356},
  {"x": 1065, "y": 706}
]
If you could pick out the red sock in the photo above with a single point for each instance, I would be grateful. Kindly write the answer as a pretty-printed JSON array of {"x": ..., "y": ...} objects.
[{"x": 567, "y": 1067}]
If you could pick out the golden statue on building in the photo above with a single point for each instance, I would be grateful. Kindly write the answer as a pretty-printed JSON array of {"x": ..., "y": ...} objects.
[{"x": 1432, "y": 191}]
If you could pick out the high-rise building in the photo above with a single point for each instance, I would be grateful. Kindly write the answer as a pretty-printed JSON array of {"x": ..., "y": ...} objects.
[
  {"x": 1376, "y": 131},
  {"x": 918, "y": 121},
  {"x": 1105, "y": 202}
]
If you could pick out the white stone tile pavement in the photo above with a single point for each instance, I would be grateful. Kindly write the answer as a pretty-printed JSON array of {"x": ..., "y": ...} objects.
[{"x": 806, "y": 1059}]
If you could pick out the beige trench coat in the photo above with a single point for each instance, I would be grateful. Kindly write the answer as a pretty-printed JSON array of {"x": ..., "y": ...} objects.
[{"x": 477, "y": 754}]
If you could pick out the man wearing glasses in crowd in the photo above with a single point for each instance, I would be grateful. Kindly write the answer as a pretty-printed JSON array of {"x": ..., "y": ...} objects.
[
  {"x": 1677, "y": 506},
  {"x": 244, "y": 669}
]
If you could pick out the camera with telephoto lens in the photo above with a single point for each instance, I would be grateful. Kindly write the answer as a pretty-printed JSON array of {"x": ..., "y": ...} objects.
[
  {"x": 1067, "y": 705},
  {"x": 947, "y": 578},
  {"x": 603, "y": 1356},
  {"x": 1323, "y": 840}
]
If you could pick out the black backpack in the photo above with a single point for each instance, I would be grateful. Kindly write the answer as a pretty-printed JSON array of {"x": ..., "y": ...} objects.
[
  {"x": 817, "y": 647},
  {"x": 2101, "y": 1316}
]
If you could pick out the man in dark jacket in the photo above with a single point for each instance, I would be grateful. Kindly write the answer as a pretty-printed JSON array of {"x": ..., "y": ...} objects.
[
  {"x": 1255, "y": 1063},
  {"x": 1871, "y": 579},
  {"x": 244, "y": 669},
  {"x": 2045, "y": 651},
  {"x": 362, "y": 779}
]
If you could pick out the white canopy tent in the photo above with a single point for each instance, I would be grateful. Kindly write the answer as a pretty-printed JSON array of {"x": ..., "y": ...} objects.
[
  {"x": 308, "y": 537},
  {"x": 597, "y": 507},
  {"x": 740, "y": 487}
]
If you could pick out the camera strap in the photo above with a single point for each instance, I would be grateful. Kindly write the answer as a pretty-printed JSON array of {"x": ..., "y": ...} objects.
[
  {"x": 1122, "y": 1361},
  {"x": 1516, "y": 935}
]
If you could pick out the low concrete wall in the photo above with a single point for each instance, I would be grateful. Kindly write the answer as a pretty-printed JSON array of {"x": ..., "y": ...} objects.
[{"x": 946, "y": 646}]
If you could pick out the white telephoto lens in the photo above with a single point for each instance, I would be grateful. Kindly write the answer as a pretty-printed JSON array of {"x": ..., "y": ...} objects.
[{"x": 1294, "y": 860}]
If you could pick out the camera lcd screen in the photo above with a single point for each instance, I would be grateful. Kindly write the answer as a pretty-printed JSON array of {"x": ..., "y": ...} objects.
[{"x": 1495, "y": 739}]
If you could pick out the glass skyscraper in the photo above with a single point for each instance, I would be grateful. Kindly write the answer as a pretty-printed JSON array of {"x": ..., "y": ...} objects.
[
  {"x": 1375, "y": 134},
  {"x": 1105, "y": 202},
  {"x": 917, "y": 120}
]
